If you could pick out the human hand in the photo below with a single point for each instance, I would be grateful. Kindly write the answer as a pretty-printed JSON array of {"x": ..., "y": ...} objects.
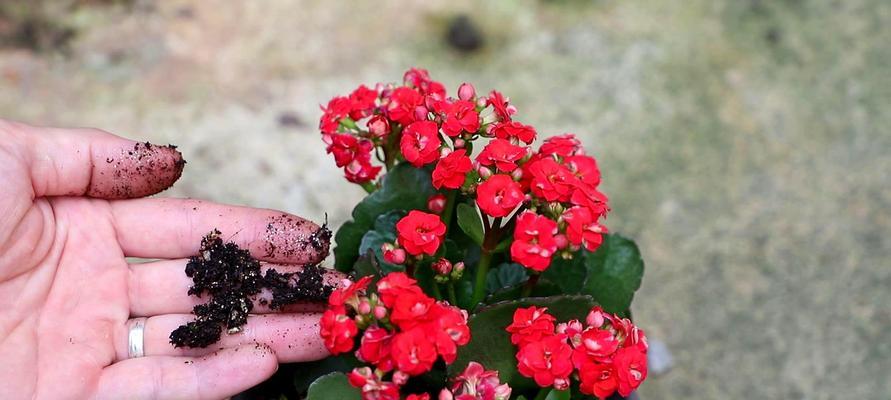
[{"x": 70, "y": 212}]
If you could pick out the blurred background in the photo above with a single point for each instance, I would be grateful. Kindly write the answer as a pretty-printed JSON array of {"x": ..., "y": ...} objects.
[{"x": 744, "y": 143}]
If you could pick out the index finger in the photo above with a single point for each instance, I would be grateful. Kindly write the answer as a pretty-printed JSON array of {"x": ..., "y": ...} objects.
[{"x": 173, "y": 228}]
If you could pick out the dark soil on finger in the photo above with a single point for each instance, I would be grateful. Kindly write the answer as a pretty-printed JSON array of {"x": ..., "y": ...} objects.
[{"x": 232, "y": 278}]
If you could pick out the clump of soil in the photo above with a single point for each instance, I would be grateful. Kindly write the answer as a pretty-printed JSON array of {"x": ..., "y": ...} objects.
[{"x": 232, "y": 278}]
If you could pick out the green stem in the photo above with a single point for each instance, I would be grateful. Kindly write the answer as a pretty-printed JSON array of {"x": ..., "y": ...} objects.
[
  {"x": 368, "y": 186},
  {"x": 482, "y": 271},
  {"x": 452, "y": 297},
  {"x": 530, "y": 284},
  {"x": 436, "y": 293},
  {"x": 542, "y": 393},
  {"x": 449, "y": 209}
]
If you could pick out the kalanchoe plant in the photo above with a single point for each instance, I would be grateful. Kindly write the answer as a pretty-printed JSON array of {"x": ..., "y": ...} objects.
[{"x": 475, "y": 256}]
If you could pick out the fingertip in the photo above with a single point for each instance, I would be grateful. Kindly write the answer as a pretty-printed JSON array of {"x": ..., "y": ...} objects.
[{"x": 137, "y": 170}]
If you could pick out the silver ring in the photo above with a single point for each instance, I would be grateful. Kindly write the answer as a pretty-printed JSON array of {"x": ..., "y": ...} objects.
[{"x": 136, "y": 338}]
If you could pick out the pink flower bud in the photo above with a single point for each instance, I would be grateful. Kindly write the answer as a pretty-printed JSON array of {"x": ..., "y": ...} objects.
[
  {"x": 517, "y": 174},
  {"x": 444, "y": 151},
  {"x": 511, "y": 110},
  {"x": 595, "y": 318},
  {"x": 466, "y": 91},
  {"x": 380, "y": 312},
  {"x": 421, "y": 113},
  {"x": 364, "y": 307},
  {"x": 445, "y": 394},
  {"x": 378, "y": 126},
  {"x": 436, "y": 203},
  {"x": 458, "y": 267},
  {"x": 561, "y": 241},
  {"x": 481, "y": 102},
  {"x": 400, "y": 378},
  {"x": 484, "y": 172},
  {"x": 460, "y": 143},
  {"x": 442, "y": 266},
  {"x": 561, "y": 383},
  {"x": 392, "y": 254}
]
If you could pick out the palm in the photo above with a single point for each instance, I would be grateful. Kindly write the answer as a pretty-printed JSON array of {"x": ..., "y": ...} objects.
[{"x": 67, "y": 289}]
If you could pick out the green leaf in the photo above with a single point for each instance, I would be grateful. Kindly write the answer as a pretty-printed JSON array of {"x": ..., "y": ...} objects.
[
  {"x": 569, "y": 275},
  {"x": 367, "y": 265},
  {"x": 558, "y": 394},
  {"x": 333, "y": 386},
  {"x": 403, "y": 188},
  {"x": 306, "y": 373},
  {"x": 505, "y": 275},
  {"x": 470, "y": 222},
  {"x": 615, "y": 271},
  {"x": 490, "y": 344}
]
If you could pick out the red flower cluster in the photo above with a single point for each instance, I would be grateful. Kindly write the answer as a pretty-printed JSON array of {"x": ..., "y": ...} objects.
[
  {"x": 608, "y": 353},
  {"x": 418, "y": 123},
  {"x": 418, "y": 234},
  {"x": 403, "y": 331}
]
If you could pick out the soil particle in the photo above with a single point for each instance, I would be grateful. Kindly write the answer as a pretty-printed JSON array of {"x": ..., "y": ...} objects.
[{"x": 231, "y": 277}]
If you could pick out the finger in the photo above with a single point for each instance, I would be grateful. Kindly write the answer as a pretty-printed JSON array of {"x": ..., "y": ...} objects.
[
  {"x": 91, "y": 162},
  {"x": 161, "y": 287},
  {"x": 173, "y": 228},
  {"x": 217, "y": 375},
  {"x": 293, "y": 337}
]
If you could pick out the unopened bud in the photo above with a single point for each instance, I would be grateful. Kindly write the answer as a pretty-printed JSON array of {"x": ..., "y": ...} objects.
[
  {"x": 421, "y": 113},
  {"x": 561, "y": 241},
  {"x": 378, "y": 126},
  {"x": 400, "y": 378},
  {"x": 511, "y": 110},
  {"x": 364, "y": 307},
  {"x": 445, "y": 394},
  {"x": 481, "y": 102},
  {"x": 380, "y": 312},
  {"x": 595, "y": 318},
  {"x": 436, "y": 203},
  {"x": 444, "y": 151},
  {"x": 457, "y": 270},
  {"x": 517, "y": 174},
  {"x": 442, "y": 266},
  {"x": 392, "y": 254},
  {"x": 466, "y": 91},
  {"x": 484, "y": 172}
]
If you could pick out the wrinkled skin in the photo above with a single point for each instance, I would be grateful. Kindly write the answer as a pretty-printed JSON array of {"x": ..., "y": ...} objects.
[{"x": 71, "y": 211}]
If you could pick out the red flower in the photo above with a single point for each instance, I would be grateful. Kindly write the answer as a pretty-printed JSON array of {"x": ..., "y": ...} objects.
[
  {"x": 513, "y": 129},
  {"x": 411, "y": 308},
  {"x": 534, "y": 243},
  {"x": 502, "y": 154},
  {"x": 585, "y": 168},
  {"x": 451, "y": 170},
  {"x": 596, "y": 345},
  {"x": 478, "y": 383},
  {"x": 338, "y": 330},
  {"x": 631, "y": 368},
  {"x": 422, "y": 396},
  {"x": 551, "y": 181},
  {"x": 546, "y": 361},
  {"x": 378, "y": 126},
  {"x": 362, "y": 102},
  {"x": 371, "y": 385},
  {"x": 413, "y": 352},
  {"x": 361, "y": 170},
  {"x": 394, "y": 284},
  {"x": 448, "y": 329},
  {"x": 420, "y": 232},
  {"x": 343, "y": 295},
  {"x": 582, "y": 228},
  {"x": 338, "y": 108},
  {"x": 346, "y": 147},
  {"x": 420, "y": 79},
  {"x": 502, "y": 108},
  {"x": 461, "y": 116},
  {"x": 420, "y": 143},
  {"x": 499, "y": 195},
  {"x": 374, "y": 348},
  {"x": 402, "y": 103},
  {"x": 564, "y": 146},
  {"x": 586, "y": 196},
  {"x": 598, "y": 380},
  {"x": 530, "y": 325}
]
